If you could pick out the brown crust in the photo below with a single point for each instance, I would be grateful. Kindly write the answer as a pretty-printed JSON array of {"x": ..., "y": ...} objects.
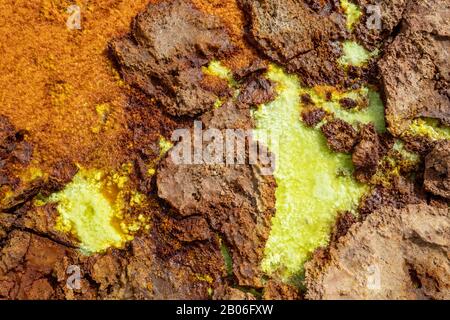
[
  {"x": 437, "y": 170},
  {"x": 170, "y": 69},
  {"x": 304, "y": 42},
  {"x": 340, "y": 135}
]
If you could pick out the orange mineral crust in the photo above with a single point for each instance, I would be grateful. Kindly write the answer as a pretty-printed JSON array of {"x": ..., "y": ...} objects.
[{"x": 58, "y": 83}]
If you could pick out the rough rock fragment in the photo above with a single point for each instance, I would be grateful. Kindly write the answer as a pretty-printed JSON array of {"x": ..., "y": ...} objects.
[
  {"x": 155, "y": 266},
  {"x": 20, "y": 181},
  {"x": 15, "y": 151},
  {"x": 294, "y": 35},
  {"x": 348, "y": 103},
  {"x": 257, "y": 90},
  {"x": 15, "y": 157},
  {"x": 146, "y": 124},
  {"x": 30, "y": 267},
  {"x": 340, "y": 135},
  {"x": 229, "y": 116},
  {"x": 437, "y": 170},
  {"x": 307, "y": 100},
  {"x": 380, "y": 19},
  {"x": 236, "y": 201},
  {"x": 366, "y": 155},
  {"x": 323, "y": 7},
  {"x": 235, "y": 113},
  {"x": 229, "y": 293},
  {"x": 393, "y": 254},
  {"x": 313, "y": 116},
  {"x": 343, "y": 223},
  {"x": 415, "y": 67},
  {"x": 169, "y": 44},
  {"x": 257, "y": 67},
  {"x": 158, "y": 266}
]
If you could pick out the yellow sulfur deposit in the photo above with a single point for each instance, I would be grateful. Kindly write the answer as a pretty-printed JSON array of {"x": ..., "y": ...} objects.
[
  {"x": 355, "y": 54},
  {"x": 215, "y": 68},
  {"x": 314, "y": 183},
  {"x": 353, "y": 13},
  {"x": 91, "y": 208},
  {"x": 430, "y": 128},
  {"x": 164, "y": 147}
]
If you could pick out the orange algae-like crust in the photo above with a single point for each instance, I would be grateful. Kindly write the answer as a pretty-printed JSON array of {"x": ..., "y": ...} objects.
[{"x": 59, "y": 84}]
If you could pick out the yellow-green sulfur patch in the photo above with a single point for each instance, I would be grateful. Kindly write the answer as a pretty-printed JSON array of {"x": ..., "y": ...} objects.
[
  {"x": 399, "y": 146},
  {"x": 355, "y": 54},
  {"x": 430, "y": 128},
  {"x": 353, "y": 13},
  {"x": 314, "y": 183},
  {"x": 226, "y": 257},
  {"x": 91, "y": 208},
  {"x": 371, "y": 110},
  {"x": 215, "y": 68}
]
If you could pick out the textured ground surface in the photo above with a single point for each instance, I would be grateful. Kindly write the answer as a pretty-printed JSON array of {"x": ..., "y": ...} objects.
[
  {"x": 87, "y": 180},
  {"x": 394, "y": 254}
]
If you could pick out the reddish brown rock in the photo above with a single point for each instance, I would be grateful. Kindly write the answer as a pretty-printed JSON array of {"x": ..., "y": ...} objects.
[
  {"x": 15, "y": 151},
  {"x": 15, "y": 156},
  {"x": 169, "y": 44},
  {"x": 298, "y": 37},
  {"x": 379, "y": 21},
  {"x": 228, "y": 293},
  {"x": 366, "y": 155},
  {"x": 257, "y": 90},
  {"x": 348, "y": 103},
  {"x": 236, "y": 113},
  {"x": 393, "y": 254},
  {"x": 236, "y": 201},
  {"x": 415, "y": 67},
  {"x": 437, "y": 170},
  {"x": 340, "y": 135},
  {"x": 343, "y": 223},
  {"x": 313, "y": 116},
  {"x": 28, "y": 267},
  {"x": 399, "y": 194},
  {"x": 275, "y": 290}
]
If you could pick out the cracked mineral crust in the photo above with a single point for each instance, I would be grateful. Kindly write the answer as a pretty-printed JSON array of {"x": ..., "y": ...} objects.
[
  {"x": 235, "y": 198},
  {"x": 415, "y": 67},
  {"x": 169, "y": 44},
  {"x": 208, "y": 223},
  {"x": 393, "y": 254},
  {"x": 292, "y": 34}
]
